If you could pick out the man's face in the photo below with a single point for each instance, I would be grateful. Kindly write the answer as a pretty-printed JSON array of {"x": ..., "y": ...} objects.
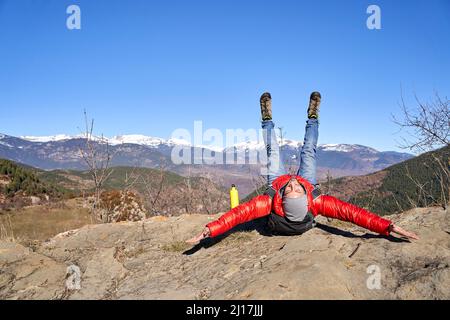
[{"x": 293, "y": 189}]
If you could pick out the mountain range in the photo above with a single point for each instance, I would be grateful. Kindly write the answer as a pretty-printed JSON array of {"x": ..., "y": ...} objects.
[{"x": 63, "y": 152}]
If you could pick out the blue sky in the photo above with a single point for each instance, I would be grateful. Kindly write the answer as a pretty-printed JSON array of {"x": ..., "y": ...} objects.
[{"x": 150, "y": 67}]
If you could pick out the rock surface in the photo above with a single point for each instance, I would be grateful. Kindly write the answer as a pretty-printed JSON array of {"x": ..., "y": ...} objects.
[{"x": 149, "y": 260}]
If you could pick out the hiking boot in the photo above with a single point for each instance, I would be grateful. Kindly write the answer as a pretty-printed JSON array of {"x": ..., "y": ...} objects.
[
  {"x": 266, "y": 106},
  {"x": 314, "y": 103}
]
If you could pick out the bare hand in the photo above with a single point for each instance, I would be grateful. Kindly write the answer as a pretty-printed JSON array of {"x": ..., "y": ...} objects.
[
  {"x": 204, "y": 234},
  {"x": 403, "y": 232}
]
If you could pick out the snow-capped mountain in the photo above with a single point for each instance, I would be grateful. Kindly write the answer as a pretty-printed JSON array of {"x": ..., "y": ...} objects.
[
  {"x": 145, "y": 141},
  {"x": 63, "y": 152},
  {"x": 58, "y": 137},
  {"x": 131, "y": 139},
  {"x": 287, "y": 143},
  {"x": 346, "y": 148},
  {"x": 155, "y": 142},
  {"x": 116, "y": 140},
  {"x": 149, "y": 141}
]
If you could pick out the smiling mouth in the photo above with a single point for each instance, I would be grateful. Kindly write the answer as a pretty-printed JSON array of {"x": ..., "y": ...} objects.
[{"x": 294, "y": 194}]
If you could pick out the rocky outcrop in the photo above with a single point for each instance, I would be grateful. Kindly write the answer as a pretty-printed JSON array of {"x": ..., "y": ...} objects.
[{"x": 149, "y": 260}]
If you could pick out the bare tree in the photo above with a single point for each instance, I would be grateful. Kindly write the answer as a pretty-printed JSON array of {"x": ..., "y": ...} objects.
[
  {"x": 428, "y": 124},
  {"x": 328, "y": 186},
  {"x": 97, "y": 155},
  {"x": 131, "y": 179},
  {"x": 211, "y": 200},
  {"x": 154, "y": 189},
  {"x": 428, "y": 128},
  {"x": 188, "y": 194},
  {"x": 257, "y": 181}
]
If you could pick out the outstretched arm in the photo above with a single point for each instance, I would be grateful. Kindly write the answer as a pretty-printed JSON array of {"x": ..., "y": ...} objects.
[
  {"x": 332, "y": 207},
  {"x": 403, "y": 232},
  {"x": 204, "y": 234},
  {"x": 258, "y": 207}
]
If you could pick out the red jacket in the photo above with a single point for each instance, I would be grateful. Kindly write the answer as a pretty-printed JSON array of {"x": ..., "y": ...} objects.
[{"x": 325, "y": 205}]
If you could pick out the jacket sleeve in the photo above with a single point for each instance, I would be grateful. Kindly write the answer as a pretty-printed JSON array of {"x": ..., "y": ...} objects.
[
  {"x": 258, "y": 207},
  {"x": 332, "y": 207}
]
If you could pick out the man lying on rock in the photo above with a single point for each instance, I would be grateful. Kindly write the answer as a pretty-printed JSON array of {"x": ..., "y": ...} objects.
[{"x": 292, "y": 201}]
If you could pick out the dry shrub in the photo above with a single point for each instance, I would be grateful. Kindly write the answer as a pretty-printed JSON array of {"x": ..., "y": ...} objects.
[{"x": 119, "y": 206}]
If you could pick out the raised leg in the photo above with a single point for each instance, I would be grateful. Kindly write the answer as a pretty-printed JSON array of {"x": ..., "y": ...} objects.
[
  {"x": 308, "y": 152},
  {"x": 275, "y": 167}
]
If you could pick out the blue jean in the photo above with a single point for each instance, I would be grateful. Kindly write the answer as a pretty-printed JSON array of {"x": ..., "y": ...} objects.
[{"x": 275, "y": 166}]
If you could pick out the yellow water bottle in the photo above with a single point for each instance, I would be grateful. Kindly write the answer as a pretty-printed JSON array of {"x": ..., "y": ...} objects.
[{"x": 234, "y": 196}]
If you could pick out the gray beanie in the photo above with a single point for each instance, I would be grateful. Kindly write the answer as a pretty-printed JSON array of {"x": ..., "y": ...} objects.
[{"x": 295, "y": 209}]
